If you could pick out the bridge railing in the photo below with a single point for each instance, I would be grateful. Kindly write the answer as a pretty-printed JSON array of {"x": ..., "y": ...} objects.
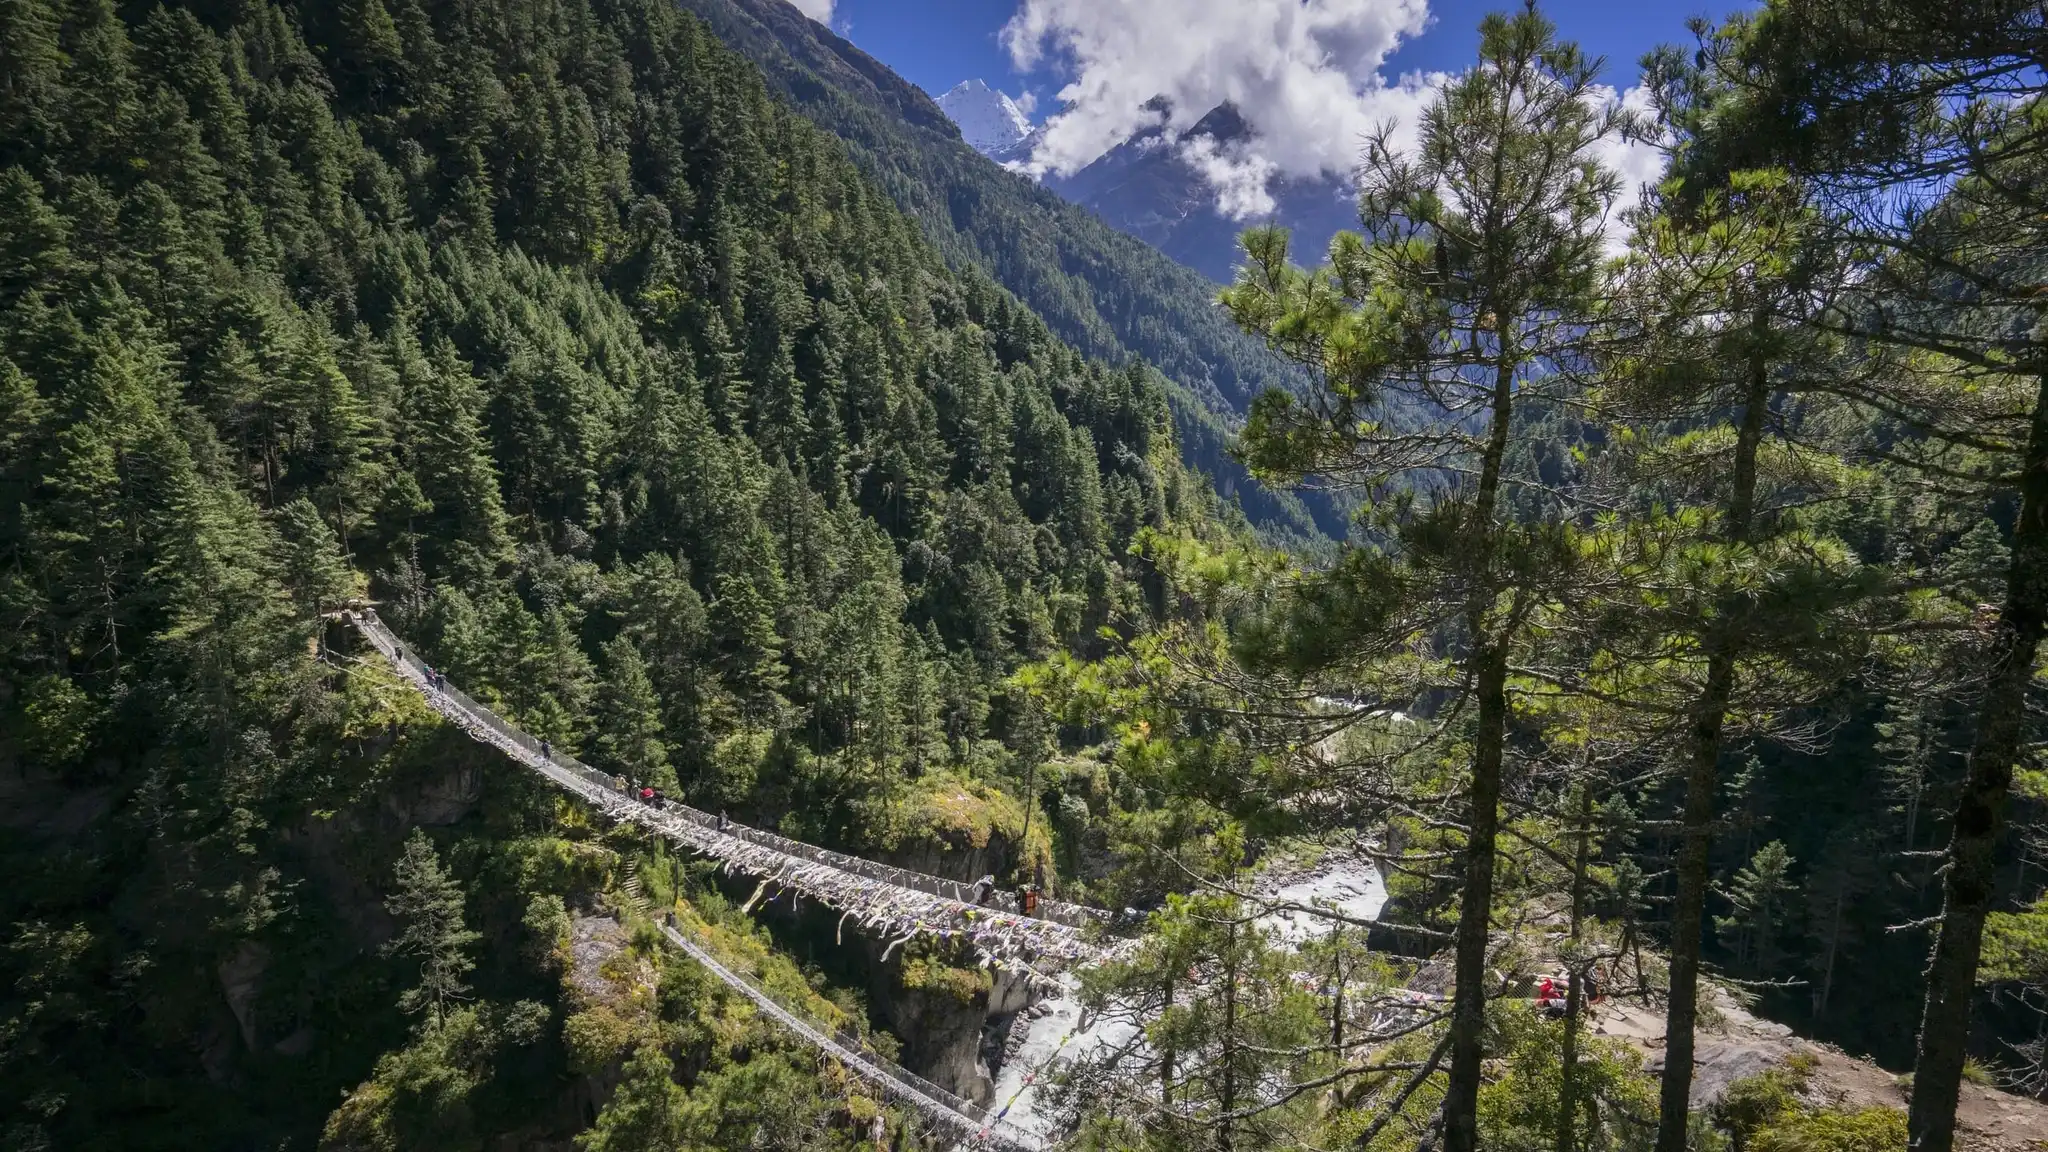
[
  {"x": 1073, "y": 915},
  {"x": 970, "y": 1121}
]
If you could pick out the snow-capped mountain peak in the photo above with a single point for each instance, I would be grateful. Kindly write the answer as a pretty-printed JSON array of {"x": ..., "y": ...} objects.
[{"x": 990, "y": 121}]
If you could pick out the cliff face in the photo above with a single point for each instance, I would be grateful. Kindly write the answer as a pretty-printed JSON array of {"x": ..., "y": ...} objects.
[
  {"x": 962, "y": 830},
  {"x": 950, "y": 1015}
]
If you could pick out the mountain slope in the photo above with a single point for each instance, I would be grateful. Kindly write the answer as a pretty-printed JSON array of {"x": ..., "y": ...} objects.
[
  {"x": 637, "y": 409},
  {"x": 1146, "y": 188},
  {"x": 989, "y": 120},
  {"x": 1106, "y": 293}
]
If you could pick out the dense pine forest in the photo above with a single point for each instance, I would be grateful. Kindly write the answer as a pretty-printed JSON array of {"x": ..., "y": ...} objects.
[
  {"x": 619, "y": 390},
  {"x": 670, "y": 380},
  {"x": 1099, "y": 290}
]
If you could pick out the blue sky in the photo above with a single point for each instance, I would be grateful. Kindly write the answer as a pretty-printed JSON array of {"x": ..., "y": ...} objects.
[
  {"x": 938, "y": 43},
  {"x": 1314, "y": 78}
]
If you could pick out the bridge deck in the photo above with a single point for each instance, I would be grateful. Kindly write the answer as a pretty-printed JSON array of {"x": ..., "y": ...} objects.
[{"x": 894, "y": 903}]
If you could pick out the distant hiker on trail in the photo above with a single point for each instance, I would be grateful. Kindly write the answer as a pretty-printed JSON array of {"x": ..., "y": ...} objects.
[
  {"x": 1551, "y": 993},
  {"x": 547, "y": 749},
  {"x": 646, "y": 795},
  {"x": 982, "y": 888},
  {"x": 1028, "y": 900},
  {"x": 724, "y": 824}
]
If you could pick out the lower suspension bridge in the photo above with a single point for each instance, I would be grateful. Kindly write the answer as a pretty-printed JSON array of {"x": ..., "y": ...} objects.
[{"x": 895, "y": 903}]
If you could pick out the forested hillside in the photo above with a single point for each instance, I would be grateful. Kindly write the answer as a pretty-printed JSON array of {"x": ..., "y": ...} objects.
[
  {"x": 541, "y": 324},
  {"x": 1674, "y": 710},
  {"x": 1104, "y": 292}
]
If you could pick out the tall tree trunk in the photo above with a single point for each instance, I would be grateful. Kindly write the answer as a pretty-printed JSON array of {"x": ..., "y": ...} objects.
[
  {"x": 1827, "y": 971},
  {"x": 1969, "y": 884},
  {"x": 1702, "y": 777},
  {"x": 1475, "y": 911},
  {"x": 1166, "y": 1056},
  {"x": 1574, "y": 1000},
  {"x": 1227, "y": 1096},
  {"x": 1337, "y": 1004},
  {"x": 1468, "y": 1006},
  {"x": 1574, "y": 1005}
]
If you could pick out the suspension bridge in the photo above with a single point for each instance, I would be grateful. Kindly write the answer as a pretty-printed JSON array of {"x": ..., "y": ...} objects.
[
  {"x": 963, "y": 1119},
  {"x": 895, "y": 903}
]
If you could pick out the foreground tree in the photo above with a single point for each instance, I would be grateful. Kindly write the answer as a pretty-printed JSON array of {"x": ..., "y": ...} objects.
[
  {"x": 1922, "y": 128},
  {"x": 1427, "y": 336},
  {"x": 1742, "y": 600}
]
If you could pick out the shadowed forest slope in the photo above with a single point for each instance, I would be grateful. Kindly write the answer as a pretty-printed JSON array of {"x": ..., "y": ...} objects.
[{"x": 632, "y": 403}]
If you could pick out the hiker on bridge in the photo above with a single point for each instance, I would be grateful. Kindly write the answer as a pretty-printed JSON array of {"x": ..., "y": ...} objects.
[{"x": 984, "y": 888}]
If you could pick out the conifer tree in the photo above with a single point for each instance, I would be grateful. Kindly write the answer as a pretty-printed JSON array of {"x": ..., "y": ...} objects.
[
  {"x": 1709, "y": 341},
  {"x": 427, "y": 903},
  {"x": 312, "y": 564},
  {"x": 449, "y": 459},
  {"x": 1228, "y": 1029},
  {"x": 1920, "y": 127},
  {"x": 1760, "y": 897},
  {"x": 34, "y": 252},
  {"x": 32, "y": 61},
  {"x": 626, "y": 720},
  {"x": 648, "y": 1109},
  {"x": 1477, "y": 270}
]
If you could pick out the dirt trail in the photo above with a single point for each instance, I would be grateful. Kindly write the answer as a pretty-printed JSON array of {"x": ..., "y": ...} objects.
[{"x": 1739, "y": 1044}]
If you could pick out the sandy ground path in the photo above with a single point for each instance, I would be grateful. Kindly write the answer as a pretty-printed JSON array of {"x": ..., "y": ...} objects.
[{"x": 1741, "y": 1044}]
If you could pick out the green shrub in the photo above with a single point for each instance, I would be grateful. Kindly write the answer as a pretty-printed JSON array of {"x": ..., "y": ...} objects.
[
  {"x": 1754, "y": 1103},
  {"x": 1870, "y": 1130}
]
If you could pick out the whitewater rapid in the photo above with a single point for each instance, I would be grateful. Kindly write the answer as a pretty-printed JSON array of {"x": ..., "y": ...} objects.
[{"x": 1054, "y": 1036}]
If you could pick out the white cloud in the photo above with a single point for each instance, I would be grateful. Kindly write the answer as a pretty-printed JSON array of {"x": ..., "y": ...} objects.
[
  {"x": 1239, "y": 176},
  {"x": 1304, "y": 73},
  {"x": 1637, "y": 162},
  {"x": 819, "y": 10}
]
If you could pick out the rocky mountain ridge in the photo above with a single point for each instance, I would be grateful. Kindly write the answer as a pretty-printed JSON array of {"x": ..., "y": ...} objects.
[
  {"x": 990, "y": 122},
  {"x": 1149, "y": 187}
]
